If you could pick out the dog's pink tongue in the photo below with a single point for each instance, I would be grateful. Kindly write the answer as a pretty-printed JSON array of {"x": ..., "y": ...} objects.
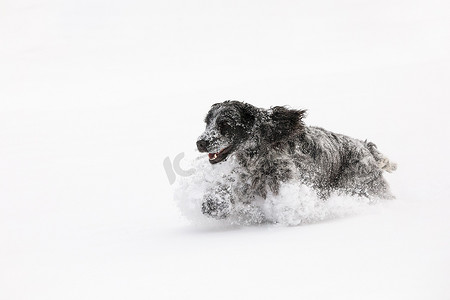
[{"x": 211, "y": 155}]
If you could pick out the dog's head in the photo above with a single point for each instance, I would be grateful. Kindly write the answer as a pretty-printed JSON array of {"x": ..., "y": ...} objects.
[
  {"x": 228, "y": 124},
  {"x": 231, "y": 123}
]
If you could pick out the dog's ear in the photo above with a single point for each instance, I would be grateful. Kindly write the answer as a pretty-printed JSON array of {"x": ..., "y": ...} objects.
[
  {"x": 282, "y": 122},
  {"x": 249, "y": 113}
]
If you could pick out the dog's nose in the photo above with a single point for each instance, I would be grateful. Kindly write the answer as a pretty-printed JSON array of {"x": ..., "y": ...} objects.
[{"x": 201, "y": 145}]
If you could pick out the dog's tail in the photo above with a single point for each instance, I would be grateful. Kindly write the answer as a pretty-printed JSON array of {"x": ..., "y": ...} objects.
[{"x": 383, "y": 162}]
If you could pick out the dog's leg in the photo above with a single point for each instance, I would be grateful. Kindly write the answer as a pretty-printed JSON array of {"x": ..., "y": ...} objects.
[
  {"x": 248, "y": 213},
  {"x": 379, "y": 188},
  {"x": 218, "y": 202},
  {"x": 371, "y": 185},
  {"x": 216, "y": 208},
  {"x": 235, "y": 203}
]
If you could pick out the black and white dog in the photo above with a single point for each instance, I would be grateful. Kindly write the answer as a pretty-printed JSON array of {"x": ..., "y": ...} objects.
[{"x": 273, "y": 146}]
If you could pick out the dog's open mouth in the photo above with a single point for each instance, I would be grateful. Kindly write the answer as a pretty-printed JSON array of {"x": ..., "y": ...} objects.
[{"x": 219, "y": 156}]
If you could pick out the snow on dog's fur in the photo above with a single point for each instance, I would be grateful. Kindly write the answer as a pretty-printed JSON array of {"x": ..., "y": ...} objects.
[{"x": 260, "y": 157}]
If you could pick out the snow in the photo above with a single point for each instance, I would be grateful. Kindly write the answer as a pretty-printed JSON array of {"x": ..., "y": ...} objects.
[
  {"x": 95, "y": 95},
  {"x": 295, "y": 203}
]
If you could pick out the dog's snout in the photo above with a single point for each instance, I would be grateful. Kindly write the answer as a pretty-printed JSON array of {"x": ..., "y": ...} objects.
[{"x": 202, "y": 145}]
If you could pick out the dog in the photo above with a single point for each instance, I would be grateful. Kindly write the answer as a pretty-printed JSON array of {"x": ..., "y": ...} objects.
[{"x": 273, "y": 146}]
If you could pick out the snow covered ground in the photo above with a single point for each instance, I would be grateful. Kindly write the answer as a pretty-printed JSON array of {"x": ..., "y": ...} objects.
[{"x": 94, "y": 95}]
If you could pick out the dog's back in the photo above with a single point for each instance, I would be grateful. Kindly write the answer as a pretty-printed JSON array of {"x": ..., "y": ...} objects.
[{"x": 339, "y": 162}]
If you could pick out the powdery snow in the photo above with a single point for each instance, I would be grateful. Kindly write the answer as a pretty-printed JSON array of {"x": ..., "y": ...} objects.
[{"x": 294, "y": 205}]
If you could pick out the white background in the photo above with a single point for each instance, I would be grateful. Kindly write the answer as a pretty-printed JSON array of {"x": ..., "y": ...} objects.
[{"x": 95, "y": 94}]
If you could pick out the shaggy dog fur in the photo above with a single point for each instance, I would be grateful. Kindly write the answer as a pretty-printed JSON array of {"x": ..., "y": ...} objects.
[{"x": 273, "y": 146}]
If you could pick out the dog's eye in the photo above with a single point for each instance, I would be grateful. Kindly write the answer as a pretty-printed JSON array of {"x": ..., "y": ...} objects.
[{"x": 224, "y": 127}]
